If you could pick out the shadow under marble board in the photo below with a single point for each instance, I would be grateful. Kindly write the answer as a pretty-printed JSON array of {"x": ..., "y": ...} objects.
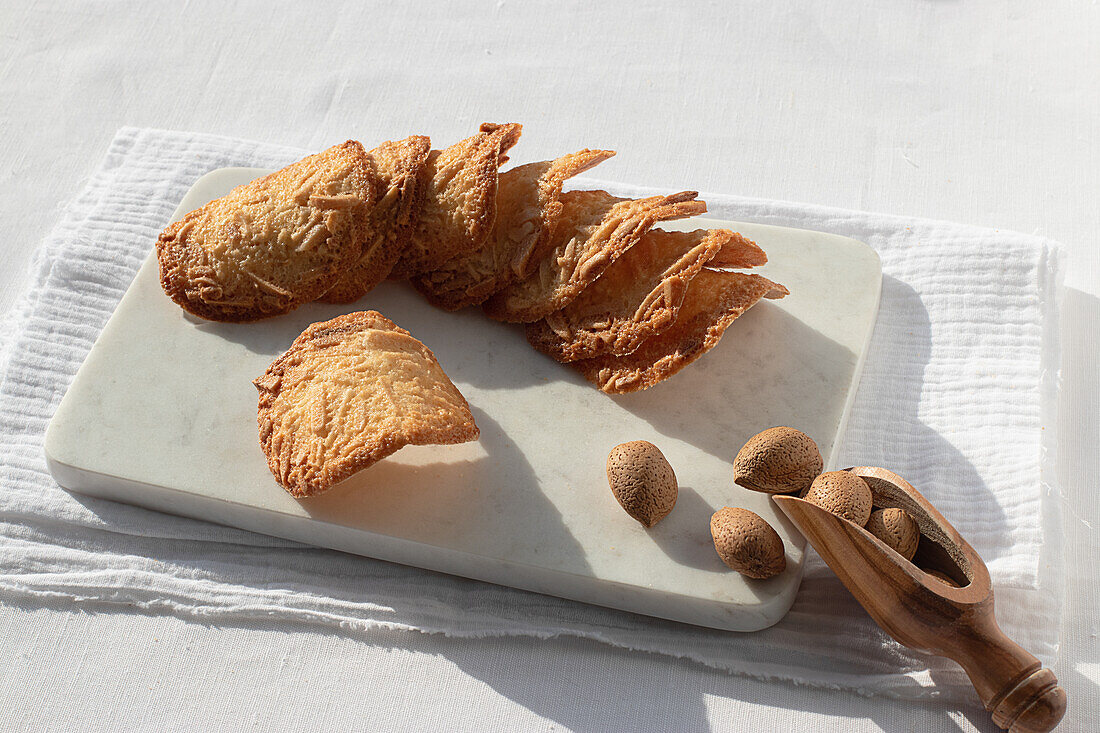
[{"x": 163, "y": 414}]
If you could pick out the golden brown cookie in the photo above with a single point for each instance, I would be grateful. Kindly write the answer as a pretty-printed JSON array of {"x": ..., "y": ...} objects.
[
  {"x": 638, "y": 296},
  {"x": 594, "y": 230},
  {"x": 270, "y": 245},
  {"x": 714, "y": 300},
  {"x": 738, "y": 251},
  {"x": 459, "y": 209},
  {"x": 528, "y": 208},
  {"x": 349, "y": 392},
  {"x": 399, "y": 165}
]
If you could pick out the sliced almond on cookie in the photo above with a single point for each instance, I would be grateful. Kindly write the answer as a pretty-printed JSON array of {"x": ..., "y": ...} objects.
[
  {"x": 595, "y": 229},
  {"x": 400, "y": 166},
  {"x": 270, "y": 245},
  {"x": 714, "y": 300},
  {"x": 348, "y": 393},
  {"x": 528, "y": 208},
  {"x": 459, "y": 209},
  {"x": 638, "y": 296}
]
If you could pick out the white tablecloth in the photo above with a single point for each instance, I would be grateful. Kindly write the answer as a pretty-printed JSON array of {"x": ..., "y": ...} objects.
[{"x": 979, "y": 112}]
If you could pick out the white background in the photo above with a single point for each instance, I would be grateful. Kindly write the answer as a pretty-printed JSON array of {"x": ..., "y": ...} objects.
[{"x": 981, "y": 112}]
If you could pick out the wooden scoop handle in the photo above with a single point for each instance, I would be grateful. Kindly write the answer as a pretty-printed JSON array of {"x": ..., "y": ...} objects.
[
  {"x": 1021, "y": 694},
  {"x": 950, "y": 620}
]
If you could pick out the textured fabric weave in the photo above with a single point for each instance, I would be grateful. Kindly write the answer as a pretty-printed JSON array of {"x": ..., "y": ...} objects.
[{"x": 964, "y": 312}]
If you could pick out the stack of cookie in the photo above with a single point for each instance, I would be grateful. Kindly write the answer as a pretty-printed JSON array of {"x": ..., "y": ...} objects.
[{"x": 597, "y": 285}]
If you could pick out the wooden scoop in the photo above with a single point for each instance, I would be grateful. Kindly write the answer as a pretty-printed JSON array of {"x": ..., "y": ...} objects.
[{"x": 925, "y": 613}]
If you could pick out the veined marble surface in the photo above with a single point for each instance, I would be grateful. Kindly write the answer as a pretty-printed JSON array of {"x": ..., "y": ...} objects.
[{"x": 163, "y": 414}]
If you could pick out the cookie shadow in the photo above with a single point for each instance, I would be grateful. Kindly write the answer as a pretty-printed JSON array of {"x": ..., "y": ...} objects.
[
  {"x": 472, "y": 348},
  {"x": 770, "y": 368},
  {"x": 773, "y": 369},
  {"x": 688, "y": 519},
  {"x": 486, "y": 502}
]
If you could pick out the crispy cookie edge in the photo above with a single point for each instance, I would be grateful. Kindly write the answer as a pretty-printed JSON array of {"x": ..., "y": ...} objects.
[
  {"x": 408, "y": 185},
  {"x": 491, "y": 143},
  {"x": 172, "y": 253},
  {"x": 642, "y": 370},
  {"x": 506, "y": 306},
  {"x": 459, "y": 292},
  {"x": 628, "y": 336},
  {"x": 268, "y": 386}
]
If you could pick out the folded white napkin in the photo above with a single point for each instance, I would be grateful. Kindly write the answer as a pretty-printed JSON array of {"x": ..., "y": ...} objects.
[{"x": 956, "y": 396}]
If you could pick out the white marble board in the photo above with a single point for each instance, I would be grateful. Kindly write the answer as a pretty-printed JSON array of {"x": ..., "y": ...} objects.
[{"x": 163, "y": 414}]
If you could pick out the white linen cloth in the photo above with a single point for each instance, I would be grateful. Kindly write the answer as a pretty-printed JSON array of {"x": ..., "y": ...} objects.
[{"x": 956, "y": 396}]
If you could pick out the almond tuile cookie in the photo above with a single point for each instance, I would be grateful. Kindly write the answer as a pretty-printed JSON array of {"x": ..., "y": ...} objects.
[
  {"x": 595, "y": 229},
  {"x": 639, "y": 295},
  {"x": 399, "y": 166},
  {"x": 528, "y": 207},
  {"x": 274, "y": 243},
  {"x": 714, "y": 300},
  {"x": 738, "y": 252},
  {"x": 459, "y": 208},
  {"x": 349, "y": 392}
]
